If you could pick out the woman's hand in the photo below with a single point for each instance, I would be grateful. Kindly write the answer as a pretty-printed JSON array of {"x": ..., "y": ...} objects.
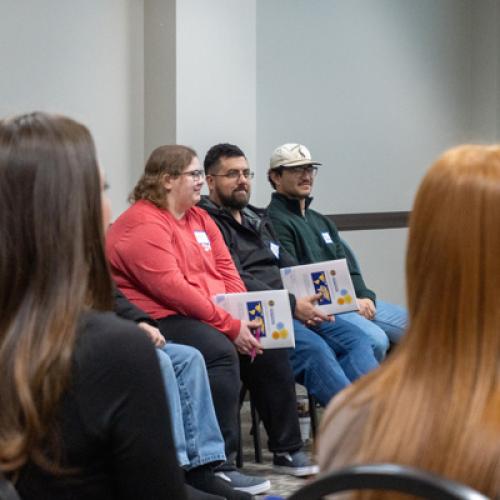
[
  {"x": 153, "y": 333},
  {"x": 245, "y": 342}
]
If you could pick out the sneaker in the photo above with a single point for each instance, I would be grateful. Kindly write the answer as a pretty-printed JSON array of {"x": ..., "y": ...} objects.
[
  {"x": 203, "y": 478},
  {"x": 242, "y": 482},
  {"x": 296, "y": 464}
]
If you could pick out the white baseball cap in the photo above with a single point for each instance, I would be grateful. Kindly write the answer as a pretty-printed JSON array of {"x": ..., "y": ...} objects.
[{"x": 291, "y": 155}]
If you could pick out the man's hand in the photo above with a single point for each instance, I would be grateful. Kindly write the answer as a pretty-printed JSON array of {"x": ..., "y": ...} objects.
[
  {"x": 153, "y": 333},
  {"x": 306, "y": 311},
  {"x": 245, "y": 342},
  {"x": 367, "y": 308}
]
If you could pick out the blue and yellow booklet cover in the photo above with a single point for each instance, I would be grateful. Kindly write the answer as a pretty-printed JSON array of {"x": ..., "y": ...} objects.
[
  {"x": 270, "y": 307},
  {"x": 331, "y": 278}
]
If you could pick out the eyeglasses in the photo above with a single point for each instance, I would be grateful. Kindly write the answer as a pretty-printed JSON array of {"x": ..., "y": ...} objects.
[
  {"x": 235, "y": 174},
  {"x": 311, "y": 170},
  {"x": 196, "y": 175}
]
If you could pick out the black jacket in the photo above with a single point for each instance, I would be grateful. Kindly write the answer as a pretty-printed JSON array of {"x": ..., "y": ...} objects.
[
  {"x": 126, "y": 310},
  {"x": 251, "y": 245}
]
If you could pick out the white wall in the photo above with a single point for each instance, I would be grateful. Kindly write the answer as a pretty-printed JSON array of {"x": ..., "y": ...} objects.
[
  {"x": 216, "y": 95},
  {"x": 381, "y": 255},
  {"x": 376, "y": 89},
  {"x": 160, "y": 99},
  {"x": 85, "y": 60},
  {"x": 485, "y": 72}
]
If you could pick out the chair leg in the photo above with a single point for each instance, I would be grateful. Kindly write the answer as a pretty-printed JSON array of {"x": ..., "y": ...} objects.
[
  {"x": 239, "y": 453},
  {"x": 256, "y": 432},
  {"x": 312, "y": 414}
]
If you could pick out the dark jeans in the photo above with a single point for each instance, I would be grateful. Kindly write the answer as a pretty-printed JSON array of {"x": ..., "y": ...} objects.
[{"x": 269, "y": 379}]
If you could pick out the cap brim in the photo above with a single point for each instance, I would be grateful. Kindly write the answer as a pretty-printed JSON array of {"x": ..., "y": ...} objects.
[{"x": 297, "y": 163}]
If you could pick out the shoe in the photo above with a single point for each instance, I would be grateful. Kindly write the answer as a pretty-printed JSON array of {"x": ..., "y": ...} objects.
[
  {"x": 242, "y": 482},
  {"x": 203, "y": 478},
  {"x": 295, "y": 463}
]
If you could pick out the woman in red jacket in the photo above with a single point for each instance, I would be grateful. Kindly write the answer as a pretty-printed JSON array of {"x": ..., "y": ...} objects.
[{"x": 168, "y": 257}]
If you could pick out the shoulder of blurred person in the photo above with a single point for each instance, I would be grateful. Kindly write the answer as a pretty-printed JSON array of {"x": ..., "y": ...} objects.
[
  {"x": 342, "y": 427},
  {"x": 106, "y": 328},
  {"x": 115, "y": 386}
]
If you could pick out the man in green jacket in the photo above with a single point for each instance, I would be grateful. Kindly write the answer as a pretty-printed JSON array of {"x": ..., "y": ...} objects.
[{"x": 311, "y": 237}]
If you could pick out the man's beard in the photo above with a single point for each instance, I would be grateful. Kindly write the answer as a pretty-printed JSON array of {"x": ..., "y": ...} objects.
[{"x": 234, "y": 202}]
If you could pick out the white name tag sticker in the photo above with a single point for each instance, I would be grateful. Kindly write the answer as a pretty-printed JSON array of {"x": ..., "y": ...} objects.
[
  {"x": 275, "y": 249},
  {"x": 202, "y": 239},
  {"x": 327, "y": 237}
]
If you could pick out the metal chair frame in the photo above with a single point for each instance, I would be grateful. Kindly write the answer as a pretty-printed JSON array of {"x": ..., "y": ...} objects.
[
  {"x": 389, "y": 477},
  {"x": 256, "y": 427}
]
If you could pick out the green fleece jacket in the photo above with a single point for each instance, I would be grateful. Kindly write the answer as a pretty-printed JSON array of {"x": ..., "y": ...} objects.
[{"x": 312, "y": 238}]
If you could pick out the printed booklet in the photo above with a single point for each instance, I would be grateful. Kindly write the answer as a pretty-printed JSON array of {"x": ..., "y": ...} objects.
[
  {"x": 271, "y": 307},
  {"x": 331, "y": 278}
]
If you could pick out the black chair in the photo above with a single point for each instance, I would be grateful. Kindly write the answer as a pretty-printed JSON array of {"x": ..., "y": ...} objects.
[
  {"x": 389, "y": 477},
  {"x": 256, "y": 426}
]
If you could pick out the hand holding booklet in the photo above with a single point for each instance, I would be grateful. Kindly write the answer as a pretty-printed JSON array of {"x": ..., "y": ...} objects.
[
  {"x": 271, "y": 307},
  {"x": 331, "y": 278}
]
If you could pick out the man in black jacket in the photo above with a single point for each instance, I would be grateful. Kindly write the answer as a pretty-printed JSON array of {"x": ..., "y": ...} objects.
[{"x": 329, "y": 353}]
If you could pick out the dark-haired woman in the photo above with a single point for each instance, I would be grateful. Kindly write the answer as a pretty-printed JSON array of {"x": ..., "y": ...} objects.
[{"x": 83, "y": 412}]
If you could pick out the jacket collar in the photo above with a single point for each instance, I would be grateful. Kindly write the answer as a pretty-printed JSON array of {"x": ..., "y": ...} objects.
[
  {"x": 249, "y": 211},
  {"x": 207, "y": 204},
  {"x": 291, "y": 204}
]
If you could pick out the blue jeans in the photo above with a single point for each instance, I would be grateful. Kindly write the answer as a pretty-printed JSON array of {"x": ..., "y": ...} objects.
[
  {"x": 197, "y": 436},
  {"x": 330, "y": 357},
  {"x": 389, "y": 325}
]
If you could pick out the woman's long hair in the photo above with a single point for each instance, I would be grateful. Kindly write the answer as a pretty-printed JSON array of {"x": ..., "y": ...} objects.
[
  {"x": 435, "y": 403},
  {"x": 52, "y": 267}
]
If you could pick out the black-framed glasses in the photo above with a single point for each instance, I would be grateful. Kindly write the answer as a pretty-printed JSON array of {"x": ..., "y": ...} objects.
[
  {"x": 235, "y": 174},
  {"x": 311, "y": 170},
  {"x": 196, "y": 175}
]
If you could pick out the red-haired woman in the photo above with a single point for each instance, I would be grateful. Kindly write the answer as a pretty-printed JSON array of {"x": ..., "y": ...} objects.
[{"x": 435, "y": 403}]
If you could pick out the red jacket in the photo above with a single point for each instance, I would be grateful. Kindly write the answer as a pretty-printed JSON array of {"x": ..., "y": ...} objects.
[{"x": 167, "y": 266}]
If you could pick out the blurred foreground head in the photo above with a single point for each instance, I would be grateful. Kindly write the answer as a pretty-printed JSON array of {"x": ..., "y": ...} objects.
[
  {"x": 435, "y": 402},
  {"x": 453, "y": 258},
  {"x": 52, "y": 267}
]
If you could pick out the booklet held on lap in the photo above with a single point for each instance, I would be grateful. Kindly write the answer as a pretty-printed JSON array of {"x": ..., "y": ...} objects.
[
  {"x": 331, "y": 278},
  {"x": 271, "y": 307}
]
